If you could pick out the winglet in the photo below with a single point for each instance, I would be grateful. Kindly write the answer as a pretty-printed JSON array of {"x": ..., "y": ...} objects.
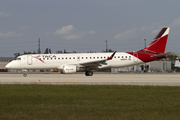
[{"x": 111, "y": 57}]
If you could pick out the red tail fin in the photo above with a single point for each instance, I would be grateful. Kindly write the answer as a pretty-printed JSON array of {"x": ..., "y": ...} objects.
[{"x": 158, "y": 45}]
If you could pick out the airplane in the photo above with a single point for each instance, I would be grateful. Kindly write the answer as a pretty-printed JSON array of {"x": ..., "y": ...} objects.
[
  {"x": 177, "y": 63},
  {"x": 87, "y": 62}
]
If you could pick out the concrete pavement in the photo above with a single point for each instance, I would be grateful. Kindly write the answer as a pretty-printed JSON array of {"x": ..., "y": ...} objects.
[{"x": 96, "y": 79}]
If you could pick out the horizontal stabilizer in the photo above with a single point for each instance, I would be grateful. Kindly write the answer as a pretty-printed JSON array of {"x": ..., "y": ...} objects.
[{"x": 162, "y": 55}]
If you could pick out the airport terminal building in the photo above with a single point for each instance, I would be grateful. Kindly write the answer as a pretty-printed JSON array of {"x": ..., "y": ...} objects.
[
  {"x": 3, "y": 62},
  {"x": 155, "y": 66}
]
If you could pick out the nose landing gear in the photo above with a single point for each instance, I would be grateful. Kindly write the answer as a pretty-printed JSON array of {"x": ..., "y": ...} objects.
[{"x": 24, "y": 73}]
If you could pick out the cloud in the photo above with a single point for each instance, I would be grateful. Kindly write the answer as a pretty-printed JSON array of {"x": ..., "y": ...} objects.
[
  {"x": 92, "y": 32},
  {"x": 78, "y": 35},
  {"x": 24, "y": 27},
  {"x": 149, "y": 27},
  {"x": 155, "y": 27},
  {"x": 70, "y": 33},
  {"x": 156, "y": 31},
  {"x": 134, "y": 32},
  {"x": 64, "y": 30},
  {"x": 3, "y": 14},
  {"x": 175, "y": 23},
  {"x": 46, "y": 32},
  {"x": 71, "y": 37},
  {"x": 126, "y": 35},
  {"x": 10, "y": 34}
]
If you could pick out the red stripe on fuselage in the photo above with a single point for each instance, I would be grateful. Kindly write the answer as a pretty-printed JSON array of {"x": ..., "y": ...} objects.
[
  {"x": 37, "y": 57},
  {"x": 145, "y": 57}
]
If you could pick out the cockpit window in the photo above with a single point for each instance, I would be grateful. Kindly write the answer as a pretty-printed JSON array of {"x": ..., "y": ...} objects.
[{"x": 18, "y": 59}]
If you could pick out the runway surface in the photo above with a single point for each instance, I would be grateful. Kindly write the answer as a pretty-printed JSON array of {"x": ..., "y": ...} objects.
[{"x": 96, "y": 79}]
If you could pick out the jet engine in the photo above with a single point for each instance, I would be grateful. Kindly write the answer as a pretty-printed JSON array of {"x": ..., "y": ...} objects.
[{"x": 69, "y": 69}]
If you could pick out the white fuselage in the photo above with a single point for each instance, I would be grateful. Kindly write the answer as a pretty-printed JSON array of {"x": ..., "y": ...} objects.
[{"x": 56, "y": 61}]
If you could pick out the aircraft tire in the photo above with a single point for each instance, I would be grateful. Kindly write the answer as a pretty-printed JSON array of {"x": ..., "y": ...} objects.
[
  {"x": 24, "y": 74},
  {"x": 89, "y": 73}
]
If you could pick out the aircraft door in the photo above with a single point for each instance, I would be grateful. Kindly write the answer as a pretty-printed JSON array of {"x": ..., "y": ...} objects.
[{"x": 29, "y": 59}]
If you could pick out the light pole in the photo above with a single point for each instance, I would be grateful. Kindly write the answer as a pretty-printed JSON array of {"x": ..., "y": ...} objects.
[
  {"x": 145, "y": 43},
  {"x": 106, "y": 45},
  {"x": 145, "y": 47}
]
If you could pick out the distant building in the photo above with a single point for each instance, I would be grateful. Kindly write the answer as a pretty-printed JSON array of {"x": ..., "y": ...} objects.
[
  {"x": 155, "y": 66},
  {"x": 6, "y": 59},
  {"x": 3, "y": 62}
]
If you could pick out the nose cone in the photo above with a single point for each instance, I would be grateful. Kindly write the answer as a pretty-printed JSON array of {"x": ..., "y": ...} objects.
[{"x": 8, "y": 66}]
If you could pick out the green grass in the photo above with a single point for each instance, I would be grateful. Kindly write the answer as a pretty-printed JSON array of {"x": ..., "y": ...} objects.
[{"x": 87, "y": 102}]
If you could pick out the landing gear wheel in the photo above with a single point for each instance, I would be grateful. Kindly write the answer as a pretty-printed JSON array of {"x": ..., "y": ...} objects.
[
  {"x": 89, "y": 73},
  {"x": 24, "y": 74}
]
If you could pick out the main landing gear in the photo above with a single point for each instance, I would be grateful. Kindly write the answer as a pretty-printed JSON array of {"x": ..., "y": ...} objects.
[{"x": 89, "y": 73}]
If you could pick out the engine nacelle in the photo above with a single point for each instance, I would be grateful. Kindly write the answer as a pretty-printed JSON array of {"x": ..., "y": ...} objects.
[{"x": 69, "y": 69}]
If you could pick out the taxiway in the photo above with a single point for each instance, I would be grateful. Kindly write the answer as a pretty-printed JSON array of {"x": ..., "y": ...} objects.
[{"x": 96, "y": 79}]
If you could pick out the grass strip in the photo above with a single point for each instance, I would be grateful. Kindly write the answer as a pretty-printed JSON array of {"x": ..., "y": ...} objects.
[{"x": 89, "y": 102}]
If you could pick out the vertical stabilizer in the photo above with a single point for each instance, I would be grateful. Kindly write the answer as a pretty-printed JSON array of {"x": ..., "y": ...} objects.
[{"x": 158, "y": 45}]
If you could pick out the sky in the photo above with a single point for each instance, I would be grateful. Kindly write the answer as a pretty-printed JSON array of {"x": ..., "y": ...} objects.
[{"x": 85, "y": 25}]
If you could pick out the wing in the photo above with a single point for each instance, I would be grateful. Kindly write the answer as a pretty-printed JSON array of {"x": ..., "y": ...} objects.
[{"x": 97, "y": 62}]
